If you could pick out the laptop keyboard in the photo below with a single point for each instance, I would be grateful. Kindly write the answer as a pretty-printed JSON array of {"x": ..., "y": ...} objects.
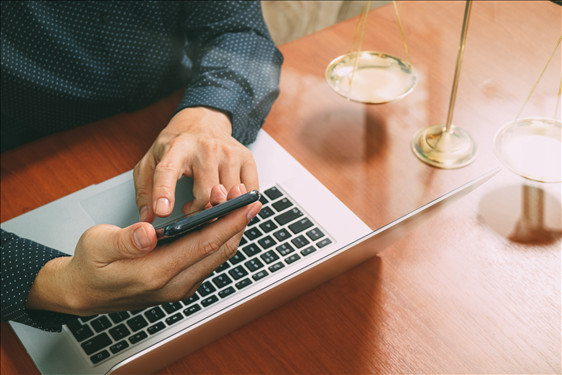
[{"x": 279, "y": 236}]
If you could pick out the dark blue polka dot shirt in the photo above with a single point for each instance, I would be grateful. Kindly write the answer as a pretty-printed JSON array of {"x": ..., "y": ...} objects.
[{"x": 68, "y": 63}]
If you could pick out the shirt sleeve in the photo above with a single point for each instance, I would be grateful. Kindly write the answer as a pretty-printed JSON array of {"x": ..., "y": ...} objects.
[
  {"x": 236, "y": 65},
  {"x": 21, "y": 261}
]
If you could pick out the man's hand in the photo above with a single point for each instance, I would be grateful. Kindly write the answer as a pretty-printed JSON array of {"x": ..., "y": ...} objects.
[
  {"x": 116, "y": 269},
  {"x": 196, "y": 143}
]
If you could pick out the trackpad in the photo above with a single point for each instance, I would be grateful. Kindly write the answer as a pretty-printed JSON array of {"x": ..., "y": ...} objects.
[{"x": 117, "y": 205}]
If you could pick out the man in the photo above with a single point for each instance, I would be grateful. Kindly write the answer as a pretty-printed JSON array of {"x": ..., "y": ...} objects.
[{"x": 65, "y": 64}]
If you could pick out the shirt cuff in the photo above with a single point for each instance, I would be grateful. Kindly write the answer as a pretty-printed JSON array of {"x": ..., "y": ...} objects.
[{"x": 22, "y": 259}]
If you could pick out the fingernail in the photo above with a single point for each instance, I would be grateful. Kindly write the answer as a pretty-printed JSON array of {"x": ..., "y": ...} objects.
[
  {"x": 141, "y": 238},
  {"x": 162, "y": 206},
  {"x": 243, "y": 188},
  {"x": 223, "y": 189},
  {"x": 254, "y": 210},
  {"x": 143, "y": 213}
]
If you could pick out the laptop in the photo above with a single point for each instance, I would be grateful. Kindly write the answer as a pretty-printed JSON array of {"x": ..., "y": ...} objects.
[{"x": 302, "y": 237}]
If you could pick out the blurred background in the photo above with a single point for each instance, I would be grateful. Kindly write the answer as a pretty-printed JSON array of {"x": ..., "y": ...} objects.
[{"x": 289, "y": 20}]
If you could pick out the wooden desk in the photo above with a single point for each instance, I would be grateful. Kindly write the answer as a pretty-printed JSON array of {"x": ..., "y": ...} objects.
[{"x": 455, "y": 296}]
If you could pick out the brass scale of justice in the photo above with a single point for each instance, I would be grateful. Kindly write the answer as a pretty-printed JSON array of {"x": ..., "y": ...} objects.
[{"x": 377, "y": 78}]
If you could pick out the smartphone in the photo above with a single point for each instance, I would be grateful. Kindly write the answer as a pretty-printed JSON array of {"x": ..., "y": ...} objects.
[{"x": 191, "y": 222}]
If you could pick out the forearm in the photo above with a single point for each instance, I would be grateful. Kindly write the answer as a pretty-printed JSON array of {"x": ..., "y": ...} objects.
[{"x": 22, "y": 260}]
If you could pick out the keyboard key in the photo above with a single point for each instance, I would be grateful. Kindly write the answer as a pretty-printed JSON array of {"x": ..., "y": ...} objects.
[
  {"x": 254, "y": 221},
  {"x": 300, "y": 241},
  {"x": 282, "y": 235},
  {"x": 251, "y": 250},
  {"x": 282, "y": 204},
  {"x": 268, "y": 226},
  {"x": 269, "y": 257},
  {"x": 273, "y": 193},
  {"x": 171, "y": 307},
  {"x": 74, "y": 324},
  {"x": 191, "y": 310},
  {"x": 174, "y": 319},
  {"x": 243, "y": 241},
  {"x": 136, "y": 323},
  {"x": 139, "y": 336},
  {"x": 263, "y": 199},
  {"x": 244, "y": 283},
  {"x": 254, "y": 264},
  {"x": 98, "y": 357},
  {"x": 323, "y": 243},
  {"x": 315, "y": 234},
  {"x": 155, "y": 328},
  {"x": 237, "y": 258},
  {"x": 119, "y": 331},
  {"x": 288, "y": 216},
  {"x": 80, "y": 331},
  {"x": 300, "y": 225},
  {"x": 209, "y": 300},
  {"x": 222, "y": 280},
  {"x": 276, "y": 267},
  {"x": 86, "y": 319},
  {"x": 96, "y": 343},
  {"x": 206, "y": 288},
  {"x": 238, "y": 272},
  {"x": 223, "y": 267},
  {"x": 191, "y": 299},
  {"x": 118, "y": 317},
  {"x": 121, "y": 345},
  {"x": 226, "y": 292},
  {"x": 266, "y": 242},
  {"x": 253, "y": 233},
  {"x": 259, "y": 275},
  {"x": 153, "y": 314},
  {"x": 293, "y": 258},
  {"x": 309, "y": 250},
  {"x": 266, "y": 212},
  {"x": 285, "y": 249}
]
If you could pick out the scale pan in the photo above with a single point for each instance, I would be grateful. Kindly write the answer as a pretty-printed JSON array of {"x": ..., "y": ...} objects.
[
  {"x": 531, "y": 148},
  {"x": 378, "y": 78}
]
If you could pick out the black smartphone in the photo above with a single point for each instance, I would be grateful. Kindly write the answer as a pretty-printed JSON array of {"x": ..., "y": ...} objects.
[{"x": 185, "y": 224}]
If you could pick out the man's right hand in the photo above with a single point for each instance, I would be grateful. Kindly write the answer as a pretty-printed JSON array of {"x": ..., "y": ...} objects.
[{"x": 116, "y": 269}]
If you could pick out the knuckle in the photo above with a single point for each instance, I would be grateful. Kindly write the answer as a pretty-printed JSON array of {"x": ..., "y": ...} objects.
[
  {"x": 211, "y": 246},
  {"x": 142, "y": 195},
  {"x": 229, "y": 251},
  {"x": 121, "y": 243},
  {"x": 165, "y": 167}
]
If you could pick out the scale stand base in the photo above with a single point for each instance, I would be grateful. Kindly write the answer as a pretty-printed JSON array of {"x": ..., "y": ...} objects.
[{"x": 440, "y": 148}]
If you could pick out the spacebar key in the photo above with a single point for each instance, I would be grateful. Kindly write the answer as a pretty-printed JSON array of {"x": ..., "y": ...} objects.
[{"x": 288, "y": 216}]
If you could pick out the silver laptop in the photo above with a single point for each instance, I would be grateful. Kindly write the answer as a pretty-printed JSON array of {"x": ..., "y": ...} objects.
[{"x": 302, "y": 237}]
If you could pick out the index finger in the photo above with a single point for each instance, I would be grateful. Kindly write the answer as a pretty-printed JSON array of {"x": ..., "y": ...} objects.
[
  {"x": 166, "y": 175},
  {"x": 142, "y": 178},
  {"x": 249, "y": 174}
]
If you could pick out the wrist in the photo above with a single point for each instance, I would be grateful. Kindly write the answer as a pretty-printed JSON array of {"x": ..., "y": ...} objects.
[
  {"x": 51, "y": 289},
  {"x": 201, "y": 119}
]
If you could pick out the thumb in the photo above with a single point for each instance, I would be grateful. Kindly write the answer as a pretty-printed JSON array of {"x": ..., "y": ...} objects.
[
  {"x": 143, "y": 236},
  {"x": 123, "y": 243}
]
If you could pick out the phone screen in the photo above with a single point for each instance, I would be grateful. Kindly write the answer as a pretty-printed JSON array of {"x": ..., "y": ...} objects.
[{"x": 196, "y": 220}]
